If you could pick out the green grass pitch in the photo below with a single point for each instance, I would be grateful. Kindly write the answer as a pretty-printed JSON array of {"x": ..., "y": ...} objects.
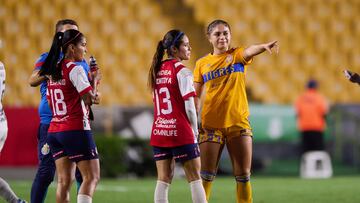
[{"x": 265, "y": 190}]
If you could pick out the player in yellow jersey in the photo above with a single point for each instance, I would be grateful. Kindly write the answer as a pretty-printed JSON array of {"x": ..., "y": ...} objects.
[{"x": 225, "y": 108}]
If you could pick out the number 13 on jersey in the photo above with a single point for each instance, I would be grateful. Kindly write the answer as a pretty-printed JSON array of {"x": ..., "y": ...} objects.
[{"x": 163, "y": 96}]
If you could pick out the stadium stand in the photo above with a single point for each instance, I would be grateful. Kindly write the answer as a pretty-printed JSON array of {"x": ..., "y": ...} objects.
[{"x": 317, "y": 39}]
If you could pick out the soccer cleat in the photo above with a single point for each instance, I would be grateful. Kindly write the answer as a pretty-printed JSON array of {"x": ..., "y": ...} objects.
[{"x": 21, "y": 201}]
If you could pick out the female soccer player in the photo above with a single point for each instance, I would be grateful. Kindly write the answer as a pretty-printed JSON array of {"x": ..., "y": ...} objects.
[
  {"x": 46, "y": 169},
  {"x": 225, "y": 108},
  {"x": 174, "y": 132},
  {"x": 5, "y": 191},
  {"x": 70, "y": 94}
]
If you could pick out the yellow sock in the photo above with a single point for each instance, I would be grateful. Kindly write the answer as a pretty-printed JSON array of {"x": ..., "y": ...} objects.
[
  {"x": 243, "y": 192},
  {"x": 207, "y": 187}
]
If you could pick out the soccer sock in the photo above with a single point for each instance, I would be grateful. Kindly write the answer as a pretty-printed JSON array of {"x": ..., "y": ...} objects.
[
  {"x": 243, "y": 189},
  {"x": 207, "y": 178},
  {"x": 161, "y": 192},
  {"x": 84, "y": 198},
  {"x": 197, "y": 192},
  {"x": 6, "y": 192},
  {"x": 207, "y": 188}
]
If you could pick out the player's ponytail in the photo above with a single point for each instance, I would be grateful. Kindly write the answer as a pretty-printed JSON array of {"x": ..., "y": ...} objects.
[
  {"x": 156, "y": 63},
  {"x": 173, "y": 38},
  {"x": 50, "y": 65},
  {"x": 60, "y": 44}
]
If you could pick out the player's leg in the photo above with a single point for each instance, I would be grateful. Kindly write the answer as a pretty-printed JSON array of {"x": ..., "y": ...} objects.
[
  {"x": 46, "y": 169},
  {"x": 211, "y": 146},
  {"x": 239, "y": 145},
  {"x": 65, "y": 170},
  {"x": 90, "y": 172},
  {"x": 165, "y": 171},
  {"x": 189, "y": 155},
  {"x": 81, "y": 149},
  {"x": 5, "y": 191}
]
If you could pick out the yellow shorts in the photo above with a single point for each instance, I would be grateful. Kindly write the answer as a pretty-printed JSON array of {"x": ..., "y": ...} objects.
[{"x": 221, "y": 135}]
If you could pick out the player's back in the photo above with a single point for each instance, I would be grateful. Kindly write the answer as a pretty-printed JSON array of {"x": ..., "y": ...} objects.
[
  {"x": 69, "y": 110},
  {"x": 167, "y": 90},
  {"x": 171, "y": 126}
]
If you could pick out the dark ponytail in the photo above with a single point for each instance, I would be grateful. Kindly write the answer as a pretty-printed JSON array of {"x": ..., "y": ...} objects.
[
  {"x": 173, "y": 38},
  {"x": 50, "y": 65},
  {"x": 61, "y": 42},
  {"x": 156, "y": 63}
]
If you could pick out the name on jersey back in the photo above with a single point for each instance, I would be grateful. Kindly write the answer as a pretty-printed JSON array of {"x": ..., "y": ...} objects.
[
  {"x": 164, "y": 77},
  {"x": 59, "y": 82}
]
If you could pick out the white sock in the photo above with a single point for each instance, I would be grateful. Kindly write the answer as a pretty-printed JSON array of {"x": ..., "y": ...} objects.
[
  {"x": 197, "y": 192},
  {"x": 6, "y": 192},
  {"x": 161, "y": 192},
  {"x": 84, "y": 198}
]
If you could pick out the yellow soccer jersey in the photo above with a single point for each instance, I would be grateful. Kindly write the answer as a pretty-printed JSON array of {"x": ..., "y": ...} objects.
[{"x": 225, "y": 101}]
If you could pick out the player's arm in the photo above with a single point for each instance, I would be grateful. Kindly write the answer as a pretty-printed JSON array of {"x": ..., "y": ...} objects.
[
  {"x": 198, "y": 89},
  {"x": 95, "y": 73},
  {"x": 35, "y": 79},
  {"x": 191, "y": 114},
  {"x": 90, "y": 98},
  {"x": 186, "y": 85},
  {"x": 80, "y": 81},
  {"x": 254, "y": 50},
  {"x": 353, "y": 77}
]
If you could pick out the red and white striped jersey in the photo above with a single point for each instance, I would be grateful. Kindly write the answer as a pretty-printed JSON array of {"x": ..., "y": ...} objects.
[
  {"x": 173, "y": 85},
  {"x": 64, "y": 96}
]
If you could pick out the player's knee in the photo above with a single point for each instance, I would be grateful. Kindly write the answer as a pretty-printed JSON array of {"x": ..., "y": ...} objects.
[
  {"x": 207, "y": 176},
  {"x": 242, "y": 178},
  {"x": 167, "y": 178},
  {"x": 65, "y": 181},
  {"x": 242, "y": 171},
  {"x": 93, "y": 178},
  {"x": 192, "y": 176}
]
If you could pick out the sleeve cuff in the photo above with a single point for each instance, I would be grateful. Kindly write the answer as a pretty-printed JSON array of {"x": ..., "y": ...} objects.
[
  {"x": 187, "y": 96},
  {"x": 86, "y": 90}
]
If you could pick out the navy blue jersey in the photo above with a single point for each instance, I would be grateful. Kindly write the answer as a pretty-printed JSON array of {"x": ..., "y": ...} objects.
[{"x": 44, "y": 109}]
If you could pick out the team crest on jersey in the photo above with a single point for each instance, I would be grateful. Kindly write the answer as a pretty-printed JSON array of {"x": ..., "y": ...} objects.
[
  {"x": 45, "y": 149},
  {"x": 229, "y": 58}
]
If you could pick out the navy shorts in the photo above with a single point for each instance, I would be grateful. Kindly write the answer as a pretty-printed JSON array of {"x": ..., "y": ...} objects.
[
  {"x": 180, "y": 154},
  {"x": 77, "y": 145}
]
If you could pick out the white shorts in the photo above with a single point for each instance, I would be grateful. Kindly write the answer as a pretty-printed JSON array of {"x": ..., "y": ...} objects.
[{"x": 3, "y": 133}]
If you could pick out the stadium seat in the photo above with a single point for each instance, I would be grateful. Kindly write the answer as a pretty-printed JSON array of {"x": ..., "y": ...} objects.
[{"x": 314, "y": 39}]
